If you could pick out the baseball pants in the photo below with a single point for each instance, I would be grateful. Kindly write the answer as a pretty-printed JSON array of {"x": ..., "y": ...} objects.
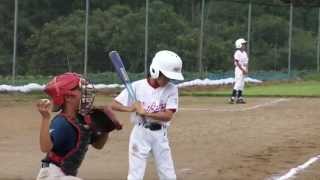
[
  {"x": 239, "y": 79},
  {"x": 142, "y": 142},
  {"x": 53, "y": 172}
]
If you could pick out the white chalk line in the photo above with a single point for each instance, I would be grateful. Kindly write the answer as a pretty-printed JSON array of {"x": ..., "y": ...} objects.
[
  {"x": 294, "y": 171},
  {"x": 270, "y": 103}
]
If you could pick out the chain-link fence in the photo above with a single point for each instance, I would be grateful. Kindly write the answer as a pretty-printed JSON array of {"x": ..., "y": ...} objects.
[{"x": 52, "y": 40}]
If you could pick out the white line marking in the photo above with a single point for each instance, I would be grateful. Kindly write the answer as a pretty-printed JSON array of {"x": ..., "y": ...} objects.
[
  {"x": 237, "y": 110},
  {"x": 294, "y": 171},
  {"x": 185, "y": 171}
]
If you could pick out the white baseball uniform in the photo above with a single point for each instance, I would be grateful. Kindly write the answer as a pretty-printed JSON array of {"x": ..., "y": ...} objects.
[
  {"x": 243, "y": 60},
  {"x": 144, "y": 140}
]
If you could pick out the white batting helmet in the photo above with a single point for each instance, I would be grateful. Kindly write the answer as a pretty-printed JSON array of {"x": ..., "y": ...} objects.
[
  {"x": 239, "y": 42},
  {"x": 168, "y": 63}
]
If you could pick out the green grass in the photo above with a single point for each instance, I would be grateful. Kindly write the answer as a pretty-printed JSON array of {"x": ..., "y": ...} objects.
[
  {"x": 274, "y": 89},
  {"x": 308, "y": 85},
  {"x": 315, "y": 76},
  {"x": 287, "y": 89}
]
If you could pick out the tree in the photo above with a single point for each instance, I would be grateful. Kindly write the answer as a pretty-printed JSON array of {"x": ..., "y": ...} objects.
[
  {"x": 168, "y": 30},
  {"x": 57, "y": 46},
  {"x": 303, "y": 2}
]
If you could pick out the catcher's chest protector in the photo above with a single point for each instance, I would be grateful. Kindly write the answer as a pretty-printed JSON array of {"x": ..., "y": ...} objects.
[{"x": 71, "y": 162}]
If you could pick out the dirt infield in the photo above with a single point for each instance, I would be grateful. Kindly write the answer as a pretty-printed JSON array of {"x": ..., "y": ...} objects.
[{"x": 210, "y": 139}]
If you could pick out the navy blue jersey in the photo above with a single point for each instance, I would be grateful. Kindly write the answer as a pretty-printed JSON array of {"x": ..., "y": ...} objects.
[{"x": 63, "y": 135}]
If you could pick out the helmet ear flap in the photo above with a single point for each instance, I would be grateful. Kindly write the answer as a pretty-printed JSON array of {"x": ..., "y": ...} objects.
[{"x": 154, "y": 71}]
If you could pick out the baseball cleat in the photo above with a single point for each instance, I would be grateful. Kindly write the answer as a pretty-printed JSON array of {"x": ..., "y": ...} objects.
[
  {"x": 240, "y": 101},
  {"x": 231, "y": 101}
]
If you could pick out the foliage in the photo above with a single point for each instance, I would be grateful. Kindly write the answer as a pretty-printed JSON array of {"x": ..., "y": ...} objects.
[
  {"x": 58, "y": 43},
  {"x": 51, "y": 34}
]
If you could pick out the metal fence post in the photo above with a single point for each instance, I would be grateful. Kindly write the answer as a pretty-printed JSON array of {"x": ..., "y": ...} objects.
[
  {"x": 318, "y": 42},
  {"x": 290, "y": 40},
  {"x": 249, "y": 27},
  {"x": 201, "y": 39},
  {"x": 86, "y": 39},
  {"x": 15, "y": 42},
  {"x": 146, "y": 36}
]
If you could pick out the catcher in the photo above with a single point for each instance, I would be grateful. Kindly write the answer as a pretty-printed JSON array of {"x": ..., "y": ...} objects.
[{"x": 66, "y": 139}]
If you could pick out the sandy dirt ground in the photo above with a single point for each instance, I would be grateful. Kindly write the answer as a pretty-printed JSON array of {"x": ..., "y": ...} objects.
[{"x": 209, "y": 138}]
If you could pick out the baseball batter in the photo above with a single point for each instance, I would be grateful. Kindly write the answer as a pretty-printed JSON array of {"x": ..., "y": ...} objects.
[
  {"x": 157, "y": 101},
  {"x": 66, "y": 139},
  {"x": 241, "y": 70}
]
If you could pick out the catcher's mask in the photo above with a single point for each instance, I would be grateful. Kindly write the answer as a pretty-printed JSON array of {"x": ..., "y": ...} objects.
[
  {"x": 64, "y": 84},
  {"x": 87, "y": 96}
]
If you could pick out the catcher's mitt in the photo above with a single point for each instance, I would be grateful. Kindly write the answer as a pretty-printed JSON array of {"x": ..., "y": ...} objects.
[{"x": 102, "y": 120}]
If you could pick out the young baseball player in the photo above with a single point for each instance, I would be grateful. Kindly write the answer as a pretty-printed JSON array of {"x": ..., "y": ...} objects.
[
  {"x": 66, "y": 139},
  {"x": 241, "y": 70},
  {"x": 157, "y": 101}
]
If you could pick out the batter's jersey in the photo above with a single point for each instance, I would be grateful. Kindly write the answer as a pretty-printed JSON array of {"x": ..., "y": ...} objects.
[
  {"x": 242, "y": 58},
  {"x": 153, "y": 99}
]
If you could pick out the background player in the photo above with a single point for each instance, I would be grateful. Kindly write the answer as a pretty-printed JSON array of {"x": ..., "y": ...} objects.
[
  {"x": 157, "y": 103},
  {"x": 241, "y": 70},
  {"x": 67, "y": 138}
]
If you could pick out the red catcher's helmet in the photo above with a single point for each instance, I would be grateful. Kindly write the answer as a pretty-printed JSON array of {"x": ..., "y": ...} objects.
[{"x": 62, "y": 85}]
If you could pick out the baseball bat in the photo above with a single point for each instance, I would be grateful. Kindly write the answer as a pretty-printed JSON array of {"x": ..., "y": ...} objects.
[{"x": 122, "y": 73}]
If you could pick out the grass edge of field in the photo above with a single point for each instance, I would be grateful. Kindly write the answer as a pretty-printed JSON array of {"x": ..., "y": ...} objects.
[
  {"x": 278, "y": 89},
  {"x": 273, "y": 89}
]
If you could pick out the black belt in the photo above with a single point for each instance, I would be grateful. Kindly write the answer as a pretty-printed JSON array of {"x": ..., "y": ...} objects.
[
  {"x": 45, "y": 164},
  {"x": 152, "y": 126}
]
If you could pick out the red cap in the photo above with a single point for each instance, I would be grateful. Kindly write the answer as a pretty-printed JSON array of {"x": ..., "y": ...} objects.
[{"x": 61, "y": 85}]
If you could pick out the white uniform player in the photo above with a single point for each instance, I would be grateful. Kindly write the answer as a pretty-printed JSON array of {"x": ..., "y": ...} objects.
[
  {"x": 157, "y": 102},
  {"x": 241, "y": 69}
]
